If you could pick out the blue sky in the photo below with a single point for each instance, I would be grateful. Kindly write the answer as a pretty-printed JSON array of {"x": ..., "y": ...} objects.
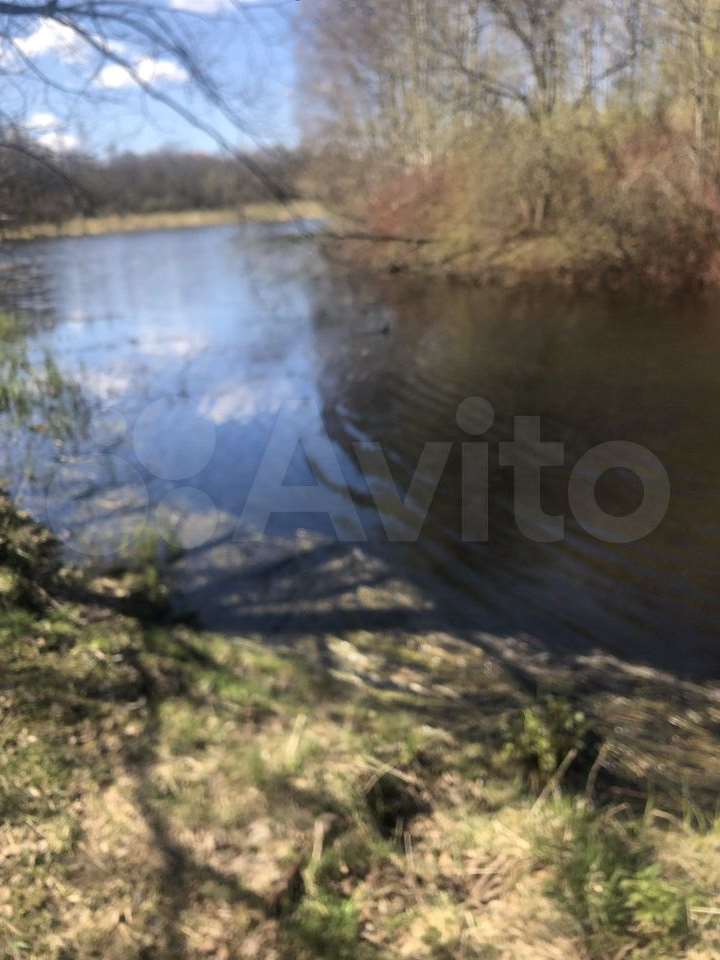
[{"x": 247, "y": 45}]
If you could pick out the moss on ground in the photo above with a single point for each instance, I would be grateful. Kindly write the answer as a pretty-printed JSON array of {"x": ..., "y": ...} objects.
[{"x": 167, "y": 793}]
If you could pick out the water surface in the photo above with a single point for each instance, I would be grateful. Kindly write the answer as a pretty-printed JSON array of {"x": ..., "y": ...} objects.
[{"x": 193, "y": 346}]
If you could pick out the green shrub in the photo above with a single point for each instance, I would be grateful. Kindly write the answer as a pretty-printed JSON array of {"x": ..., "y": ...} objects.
[
  {"x": 659, "y": 910},
  {"x": 542, "y": 735},
  {"x": 327, "y": 926},
  {"x": 604, "y": 875}
]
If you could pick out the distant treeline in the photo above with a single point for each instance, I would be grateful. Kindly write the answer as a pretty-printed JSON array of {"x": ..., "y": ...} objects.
[{"x": 37, "y": 186}]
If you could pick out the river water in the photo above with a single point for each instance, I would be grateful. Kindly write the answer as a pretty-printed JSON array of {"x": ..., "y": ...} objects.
[{"x": 207, "y": 355}]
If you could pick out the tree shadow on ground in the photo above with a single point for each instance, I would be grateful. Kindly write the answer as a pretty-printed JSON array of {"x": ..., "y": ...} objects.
[{"x": 356, "y": 627}]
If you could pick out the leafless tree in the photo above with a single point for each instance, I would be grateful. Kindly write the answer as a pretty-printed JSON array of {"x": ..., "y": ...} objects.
[{"x": 111, "y": 44}]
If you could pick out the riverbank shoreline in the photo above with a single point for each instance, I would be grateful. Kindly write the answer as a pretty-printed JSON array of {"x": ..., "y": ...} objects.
[
  {"x": 172, "y": 220},
  {"x": 528, "y": 263},
  {"x": 537, "y": 263},
  {"x": 348, "y": 795}
]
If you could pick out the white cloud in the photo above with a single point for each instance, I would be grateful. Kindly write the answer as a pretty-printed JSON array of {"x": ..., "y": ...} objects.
[
  {"x": 114, "y": 76},
  {"x": 204, "y": 6},
  {"x": 105, "y": 385},
  {"x": 151, "y": 71},
  {"x": 179, "y": 347},
  {"x": 58, "y": 141},
  {"x": 51, "y": 37},
  {"x": 42, "y": 120},
  {"x": 242, "y": 403},
  {"x": 47, "y": 129},
  {"x": 209, "y": 6}
]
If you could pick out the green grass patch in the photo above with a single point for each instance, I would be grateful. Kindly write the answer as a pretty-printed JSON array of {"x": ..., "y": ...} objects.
[
  {"x": 607, "y": 877},
  {"x": 327, "y": 926},
  {"x": 542, "y": 735}
]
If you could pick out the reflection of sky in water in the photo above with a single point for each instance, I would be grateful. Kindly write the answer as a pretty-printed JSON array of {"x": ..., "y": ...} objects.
[
  {"x": 192, "y": 345},
  {"x": 181, "y": 314},
  {"x": 187, "y": 355}
]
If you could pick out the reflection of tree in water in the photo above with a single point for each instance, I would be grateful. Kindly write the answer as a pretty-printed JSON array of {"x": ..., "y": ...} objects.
[
  {"x": 25, "y": 289},
  {"x": 593, "y": 372},
  {"x": 36, "y": 399}
]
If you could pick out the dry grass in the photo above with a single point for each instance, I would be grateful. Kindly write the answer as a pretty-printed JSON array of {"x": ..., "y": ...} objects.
[
  {"x": 125, "y": 223},
  {"x": 283, "y": 213},
  {"x": 171, "y": 794},
  {"x": 171, "y": 220}
]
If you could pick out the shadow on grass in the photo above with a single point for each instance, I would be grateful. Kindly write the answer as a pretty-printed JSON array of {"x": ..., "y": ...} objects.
[{"x": 80, "y": 663}]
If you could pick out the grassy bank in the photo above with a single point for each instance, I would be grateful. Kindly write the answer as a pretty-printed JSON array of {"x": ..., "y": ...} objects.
[
  {"x": 126, "y": 223},
  {"x": 283, "y": 213},
  {"x": 481, "y": 258},
  {"x": 527, "y": 262},
  {"x": 177, "y": 220},
  {"x": 168, "y": 793}
]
